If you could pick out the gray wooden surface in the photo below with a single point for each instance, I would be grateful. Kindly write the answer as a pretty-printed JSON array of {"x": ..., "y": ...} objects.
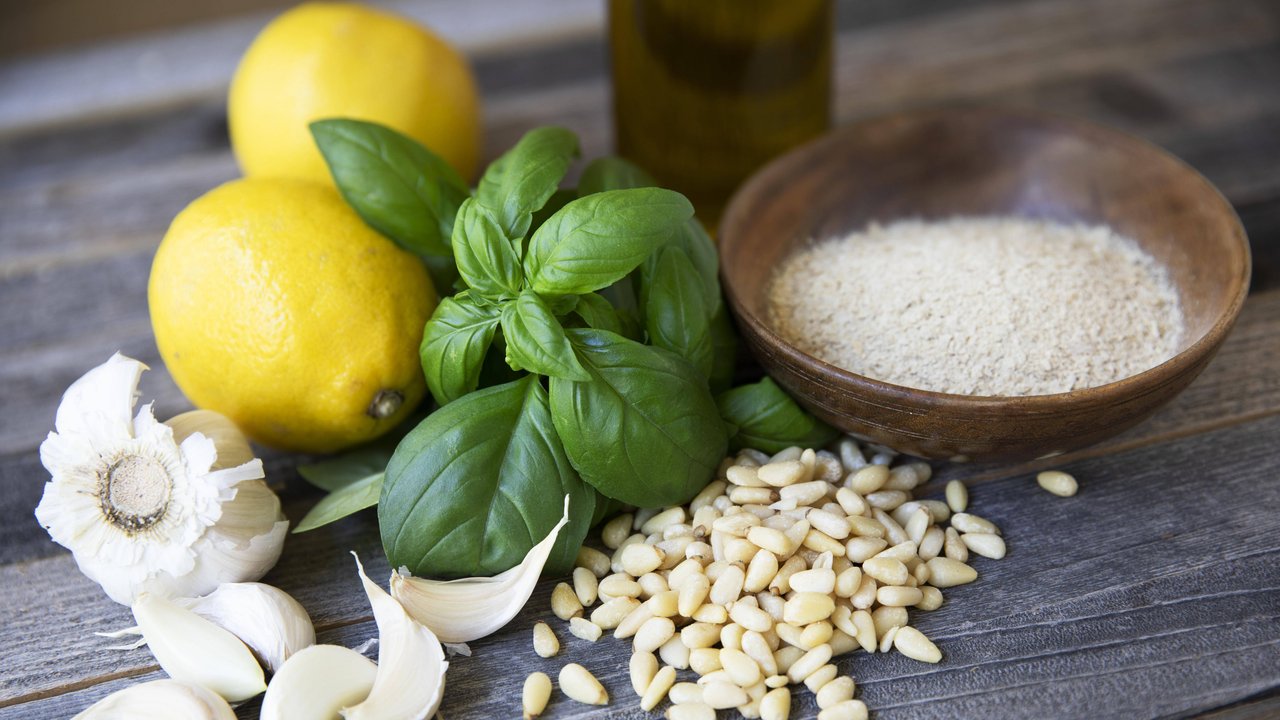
[{"x": 1153, "y": 593}]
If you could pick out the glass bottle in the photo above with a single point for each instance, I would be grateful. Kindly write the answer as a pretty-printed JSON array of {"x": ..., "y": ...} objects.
[{"x": 706, "y": 91}]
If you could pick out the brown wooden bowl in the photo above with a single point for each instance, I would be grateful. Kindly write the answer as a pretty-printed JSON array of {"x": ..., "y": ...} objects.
[{"x": 936, "y": 164}]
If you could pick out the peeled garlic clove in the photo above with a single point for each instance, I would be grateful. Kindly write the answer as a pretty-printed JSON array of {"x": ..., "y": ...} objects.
[
  {"x": 411, "y": 664},
  {"x": 193, "y": 649},
  {"x": 472, "y": 608},
  {"x": 265, "y": 618},
  {"x": 160, "y": 700},
  {"x": 317, "y": 683}
]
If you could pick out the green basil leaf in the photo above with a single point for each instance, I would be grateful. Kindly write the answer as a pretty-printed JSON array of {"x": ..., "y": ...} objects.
[
  {"x": 695, "y": 242},
  {"x": 454, "y": 343},
  {"x": 480, "y": 482},
  {"x": 644, "y": 429},
  {"x": 526, "y": 176},
  {"x": 536, "y": 341},
  {"x": 335, "y": 473},
  {"x": 596, "y": 240},
  {"x": 724, "y": 361},
  {"x": 769, "y": 420},
  {"x": 596, "y": 312},
  {"x": 343, "y": 502},
  {"x": 612, "y": 173},
  {"x": 486, "y": 260},
  {"x": 676, "y": 314},
  {"x": 558, "y": 199},
  {"x": 399, "y": 187}
]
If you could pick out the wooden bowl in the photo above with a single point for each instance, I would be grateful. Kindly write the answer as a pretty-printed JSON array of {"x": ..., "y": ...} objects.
[{"x": 941, "y": 163}]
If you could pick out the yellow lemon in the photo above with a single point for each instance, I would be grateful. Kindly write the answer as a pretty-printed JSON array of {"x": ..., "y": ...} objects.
[
  {"x": 324, "y": 60},
  {"x": 274, "y": 304}
]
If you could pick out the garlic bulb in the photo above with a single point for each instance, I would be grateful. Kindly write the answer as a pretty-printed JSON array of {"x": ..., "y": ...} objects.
[
  {"x": 160, "y": 700},
  {"x": 317, "y": 683},
  {"x": 193, "y": 649},
  {"x": 172, "y": 509},
  {"x": 459, "y": 611},
  {"x": 265, "y": 618},
  {"x": 411, "y": 664}
]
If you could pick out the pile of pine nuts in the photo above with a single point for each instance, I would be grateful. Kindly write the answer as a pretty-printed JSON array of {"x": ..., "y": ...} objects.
[{"x": 774, "y": 569}]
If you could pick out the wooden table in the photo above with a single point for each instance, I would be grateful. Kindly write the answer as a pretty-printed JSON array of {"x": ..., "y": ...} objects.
[{"x": 1153, "y": 593}]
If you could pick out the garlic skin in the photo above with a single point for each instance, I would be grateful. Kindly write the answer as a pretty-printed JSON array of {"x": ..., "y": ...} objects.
[
  {"x": 266, "y": 618},
  {"x": 159, "y": 700},
  {"x": 411, "y": 664},
  {"x": 317, "y": 683},
  {"x": 171, "y": 509},
  {"x": 193, "y": 649},
  {"x": 467, "y": 609}
]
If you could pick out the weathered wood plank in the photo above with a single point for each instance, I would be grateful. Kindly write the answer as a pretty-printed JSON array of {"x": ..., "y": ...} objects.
[{"x": 1093, "y": 613}]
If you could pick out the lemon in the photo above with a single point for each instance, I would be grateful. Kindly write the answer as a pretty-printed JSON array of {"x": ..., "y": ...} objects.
[
  {"x": 325, "y": 60},
  {"x": 274, "y": 304}
]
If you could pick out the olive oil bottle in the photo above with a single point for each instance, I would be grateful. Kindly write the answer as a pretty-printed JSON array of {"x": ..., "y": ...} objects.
[{"x": 706, "y": 91}]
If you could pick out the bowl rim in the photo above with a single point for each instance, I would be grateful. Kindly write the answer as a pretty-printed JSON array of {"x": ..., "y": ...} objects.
[{"x": 1138, "y": 384}]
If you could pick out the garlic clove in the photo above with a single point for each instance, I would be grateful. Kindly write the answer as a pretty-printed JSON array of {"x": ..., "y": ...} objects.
[
  {"x": 160, "y": 700},
  {"x": 472, "y": 608},
  {"x": 411, "y": 664},
  {"x": 193, "y": 649},
  {"x": 265, "y": 618},
  {"x": 317, "y": 683},
  {"x": 231, "y": 444}
]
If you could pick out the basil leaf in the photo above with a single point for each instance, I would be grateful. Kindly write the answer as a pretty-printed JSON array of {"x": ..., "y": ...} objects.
[
  {"x": 480, "y": 482},
  {"x": 596, "y": 240},
  {"x": 769, "y": 420},
  {"x": 558, "y": 199},
  {"x": 612, "y": 173},
  {"x": 724, "y": 342},
  {"x": 644, "y": 429},
  {"x": 343, "y": 502},
  {"x": 596, "y": 312},
  {"x": 695, "y": 242},
  {"x": 536, "y": 341},
  {"x": 676, "y": 314},
  {"x": 526, "y": 176},
  {"x": 454, "y": 343},
  {"x": 486, "y": 260},
  {"x": 399, "y": 187},
  {"x": 335, "y": 473}
]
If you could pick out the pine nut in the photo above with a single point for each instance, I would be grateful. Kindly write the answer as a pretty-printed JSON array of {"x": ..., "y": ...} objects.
[
  {"x": 820, "y": 677},
  {"x": 903, "y": 477},
  {"x": 776, "y": 704},
  {"x": 685, "y": 692},
  {"x": 653, "y": 633},
  {"x": 762, "y": 569},
  {"x": 931, "y": 600},
  {"x": 827, "y": 468},
  {"x": 619, "y": 585},
  {"x": 913, "y": 643},
  {"x": 865, "y": 595},
  {"x": 700, "y": 635},
  {"x": 893, "y": 596},
  {"x": 847, "y": 582},
  {"x": 782, "y": 581},
  {"x": 884, "y": 618},
  {"x": 920, "y": 573},
  {"x": 954, "y": 547},
  {"x": 967, "y": 523},
  {"x": 704, "y": 660},
  {"x": 984, "y": 544},
  {"x": 836, "y": 691},
  {"x": 820, "y": 542},
  {"x": 772, "y": 540},
  {"x": 893, "y": 532},
  {"x": 806, "y": 607},
  {"x": 787, "y": 656},
  {"x": 579, "y": 684},
  {"x": 744, "y": 671},
  {"x": 534, "y": 696},
  {"x": 731, "y": 637},
  {"x": 673, "y": 551},
  {"x": 815, "y": 634},
  {"x": 616, "y": 530},
  {"x": 821, "y": 580},
  {"x": 752, "y": 495},
  {"x": 723, "y": 695},
  {"x": 776, "y": 681},
  {"x": 664, "y": 604},
  {"x": 675, "y": 653},
  {"x": 677, "y": 530},
  {"x": 585, "y": 586},
  {"x": 744, "y": 476},
  {"x": 631, "y": 624},
  {"x": 887, "y": 570},
  {"x": 728, "y": 587},
  {"x": 608, "y": 615},
  {"x": 851, "y": 502},
  {"x": 693, "y": 594},
  {"x": 691, "y": 711},
  {"x": 931, "y": 544},
  {"x": 638, "y": 559},
  {"x": 834, "y": 526},
  {"x": 658, "y": 687},
  {"x": 652, "y": 584},
  {"x": 642, "y": 667},
  {"x": 789, "y": 634},
  {"x": 585, "y": 629},
  {"x": 842, "y": 618},
  {"x": 708, "y": 613},
  {"x": 842, "y": 643},
  {"x": 866, "y": 635},
  {"x": 904, "y": 552},
  {"x": 708, "y": 494},
  {"x": 858, "y": 549},
  {"x": 564, "y": 602},
  {"x": 808, "y": 663},
  {"x": 737, "y": 524},
  {"x": 847, "y": 710},
  {"x": 957, "y": 496},
  {"x": 775, "y": 605},
  {"x": 886, "y": 642},
  {"x": 1058, "y": 483},
  {"x": 593, "y": 560},
  {"x": 782, "y": 474},
  {"x": 757, "y": 648},
  {"x": 918, "y": 524},
  {"x": 864, "y": 526},
  {"x": 806, "y": 493},
  {"x": 869, "y": 479},
  {"x": 945, "y": 572},
  {"x": 545, "y": 642},
  {"x": 699, "y": 550}
]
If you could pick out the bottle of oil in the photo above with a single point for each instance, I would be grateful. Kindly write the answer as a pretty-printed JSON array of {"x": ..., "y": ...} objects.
[{"x": 706, "y": 91}]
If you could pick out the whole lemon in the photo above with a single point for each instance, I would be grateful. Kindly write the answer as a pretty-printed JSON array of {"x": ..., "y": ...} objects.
[
  {"x": 324, "y": 60},
  {"x": 274, "y": 304}
]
